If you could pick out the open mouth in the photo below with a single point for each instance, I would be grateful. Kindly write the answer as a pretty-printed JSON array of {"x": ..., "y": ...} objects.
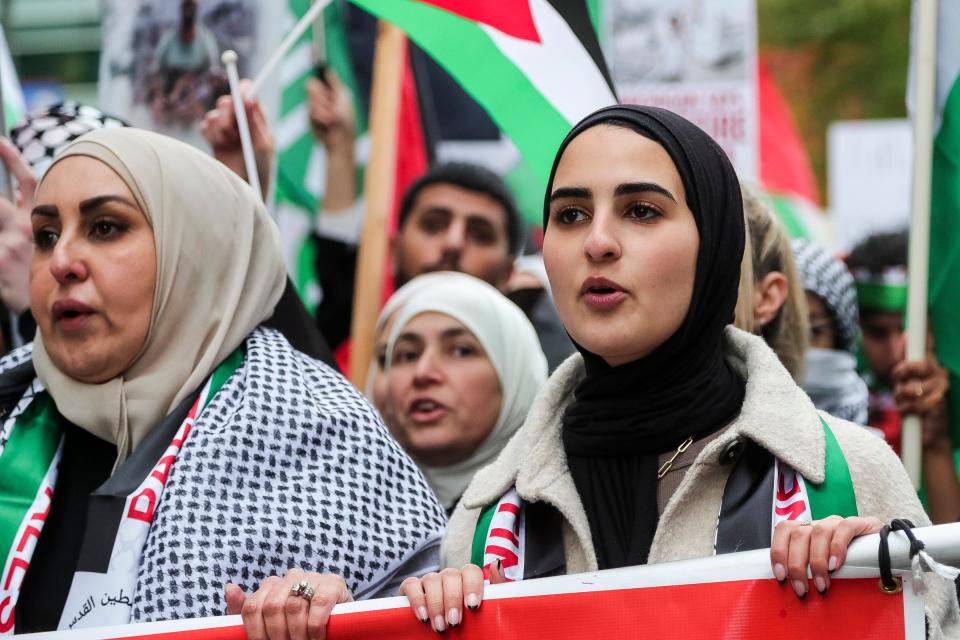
[
  {"x": 602, "y": 294},
  {"x": 426, "y": 410},
  {"x": 70, "y": 313}
]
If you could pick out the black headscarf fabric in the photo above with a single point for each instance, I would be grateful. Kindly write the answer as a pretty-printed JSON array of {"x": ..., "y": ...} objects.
[{"x": 623, "y": 417}]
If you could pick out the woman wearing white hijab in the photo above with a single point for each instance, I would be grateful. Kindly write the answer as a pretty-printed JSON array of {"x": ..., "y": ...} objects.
[
  {"x": 462, "y": 366},
  {"x": 158, "y": 441}
]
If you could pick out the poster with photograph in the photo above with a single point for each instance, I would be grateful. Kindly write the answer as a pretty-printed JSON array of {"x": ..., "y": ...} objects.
[
  {"x": 695, "y": 57},
  {"x": 160, "y": 64}
]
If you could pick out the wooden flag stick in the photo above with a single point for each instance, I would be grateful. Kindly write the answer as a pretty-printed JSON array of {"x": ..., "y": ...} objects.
[
  {"x": 919, "y": 259},
  {"x": 378, "y": 193}
]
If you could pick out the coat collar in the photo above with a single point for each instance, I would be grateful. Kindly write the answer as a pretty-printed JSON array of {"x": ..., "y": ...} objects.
[{"x": 776, "y": 414}]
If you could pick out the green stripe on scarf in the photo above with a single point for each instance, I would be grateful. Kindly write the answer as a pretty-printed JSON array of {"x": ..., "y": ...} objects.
[
  {"x": 24, "y": 464},
  {"x": 834, "y": 496},
  {"x": 879, "y": 296},
  {"x": 223, "y": 372},
  {"x": 480, "y": 533}
]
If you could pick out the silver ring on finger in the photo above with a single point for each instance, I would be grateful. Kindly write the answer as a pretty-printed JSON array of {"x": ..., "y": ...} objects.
[
  {"x": 302, "y": 589},
  {"x": 805, "y": 524}
]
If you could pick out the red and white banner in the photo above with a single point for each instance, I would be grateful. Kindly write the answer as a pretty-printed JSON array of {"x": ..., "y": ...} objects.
[{"x": 730, "y": 597}]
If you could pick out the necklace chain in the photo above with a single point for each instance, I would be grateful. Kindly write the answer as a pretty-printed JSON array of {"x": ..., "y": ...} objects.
[{"x": 669, "y": 463}]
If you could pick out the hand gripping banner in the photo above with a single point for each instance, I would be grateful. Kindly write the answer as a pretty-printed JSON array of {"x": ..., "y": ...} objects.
[{"x": 729, "y": 597}]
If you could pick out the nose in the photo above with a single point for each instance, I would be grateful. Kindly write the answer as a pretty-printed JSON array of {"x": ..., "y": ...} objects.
[
  {"x": 67, "y": 263},
  {"x": 455, "y": 237},
  {"x": 601, "y": 244},
  {"x": 427, "y": 370}
]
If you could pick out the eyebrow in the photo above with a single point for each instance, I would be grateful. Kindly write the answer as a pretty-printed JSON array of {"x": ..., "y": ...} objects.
[
  {"x": 409, "y": 336},
  {"x": 446, "y": 334},
  {"x": 454, "y": 332},
  {"x": 46, "y": 211},
  {"x": 624, "y": 189},
  {"x": 98, "y": 201},
  {"x": 570, "y": 192},
  {"x": 642, "y": 187}
]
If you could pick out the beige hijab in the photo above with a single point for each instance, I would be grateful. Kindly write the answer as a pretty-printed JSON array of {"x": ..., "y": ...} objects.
[{"x": 219, "y": 274}]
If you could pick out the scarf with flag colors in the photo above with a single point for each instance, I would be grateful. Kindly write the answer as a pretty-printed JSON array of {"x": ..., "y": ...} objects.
[
  {"x": 500, "y": 533},
  {"x": 27, "y": 485}
]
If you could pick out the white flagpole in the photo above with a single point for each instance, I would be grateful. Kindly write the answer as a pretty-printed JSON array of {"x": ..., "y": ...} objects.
[
  {"x": 229, "y": 59},
  {"x": 6, "y": 187},
  {"x": 923, "y": 123},
  {"x": 287, "y": 44}
]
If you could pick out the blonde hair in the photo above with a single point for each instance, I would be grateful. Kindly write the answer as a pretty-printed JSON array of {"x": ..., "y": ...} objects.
[{"x": 767, "y": 249}]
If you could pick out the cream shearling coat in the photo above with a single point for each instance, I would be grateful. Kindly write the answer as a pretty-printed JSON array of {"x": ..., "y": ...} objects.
[{"x": 776, "y": 414}]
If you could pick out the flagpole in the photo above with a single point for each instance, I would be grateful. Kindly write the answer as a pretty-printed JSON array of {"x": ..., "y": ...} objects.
[
  {"x": 7, "y": 185},
  {"x": 229, "y": 59},
  {"x": 919, "y": 259},
  {"x": 287, "y": 44},
  {"x": 378, "y": 194}
]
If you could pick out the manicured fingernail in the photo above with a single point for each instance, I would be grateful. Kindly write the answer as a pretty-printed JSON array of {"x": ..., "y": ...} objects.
[
  {"x": 422, "y": 614},
  {"x": 800, "y": 586},
  {"x": 832, "y": 563},
  {"x": 779, "y": 572},
  {"x": 439, "y": 625},
  {"x": 453, "y": 617},
  {"x": 472, "y": 601},
  {"x": 821, "y": 584}
]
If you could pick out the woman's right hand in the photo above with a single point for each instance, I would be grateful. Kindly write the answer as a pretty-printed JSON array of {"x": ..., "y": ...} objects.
[
  {"x": 440, "y": 598},
  {"x": 274, "y": 613}
]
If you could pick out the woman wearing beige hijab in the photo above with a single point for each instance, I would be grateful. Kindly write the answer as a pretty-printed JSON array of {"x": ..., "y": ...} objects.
[{"x": 157, "y": 441}]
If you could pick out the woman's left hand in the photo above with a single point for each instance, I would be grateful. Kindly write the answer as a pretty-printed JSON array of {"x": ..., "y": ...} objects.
[
  {"x": 820, "y": 545},
  {"x": 274, "y": 612}
]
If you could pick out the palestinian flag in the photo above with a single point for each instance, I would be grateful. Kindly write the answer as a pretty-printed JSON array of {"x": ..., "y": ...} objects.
[
  {"x": 534, "y": 65},
  {"x": 944, "y": 277},
  {"x": 785, "y": 169}
]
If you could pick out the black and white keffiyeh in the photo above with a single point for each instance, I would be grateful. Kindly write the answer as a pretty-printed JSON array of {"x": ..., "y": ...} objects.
[
  {"x": 830, "y": 376},
  {"x": 287, "y": 467},
  {"x": 44, "y": 132},
  {"x": 828, "y": 277}
]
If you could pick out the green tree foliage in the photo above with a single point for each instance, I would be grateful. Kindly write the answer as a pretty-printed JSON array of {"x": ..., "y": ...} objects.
[{"x": 836, "y": 60}]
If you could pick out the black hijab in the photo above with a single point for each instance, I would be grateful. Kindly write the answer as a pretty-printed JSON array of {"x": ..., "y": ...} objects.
[{"x": 622, "y": 417}]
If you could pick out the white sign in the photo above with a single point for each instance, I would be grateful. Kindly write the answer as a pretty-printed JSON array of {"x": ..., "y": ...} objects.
[
  {"x": 869, "y": 166},
  {"x": 695, "y": 57}
]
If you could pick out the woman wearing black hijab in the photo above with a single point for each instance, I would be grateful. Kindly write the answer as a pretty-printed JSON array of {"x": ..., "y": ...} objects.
[{"x": 669, "y": 415}]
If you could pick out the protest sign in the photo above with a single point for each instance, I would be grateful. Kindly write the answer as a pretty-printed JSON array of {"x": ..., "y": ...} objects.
[
  {"x": 731, "y": 596},
  {"x": 698, "y": 59}
]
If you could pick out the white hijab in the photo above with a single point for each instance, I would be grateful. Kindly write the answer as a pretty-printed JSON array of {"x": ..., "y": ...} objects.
[
  {"x": 510, "y": 343},
  {"x": 220, "y": 273}
]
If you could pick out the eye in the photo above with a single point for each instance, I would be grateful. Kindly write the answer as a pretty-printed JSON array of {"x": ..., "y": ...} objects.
[
  {"x": 433, "y": 222},
  {"x": 482, "y": 233},
  {"x": 405, "y": 355},
  {"x": 463, "y": 350},
  {"x": 105, "y": 229},
  {"x": 643, "y": 212},
  {"x": 569, "y": 216},
  {"x": 44, "y": 238}
]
